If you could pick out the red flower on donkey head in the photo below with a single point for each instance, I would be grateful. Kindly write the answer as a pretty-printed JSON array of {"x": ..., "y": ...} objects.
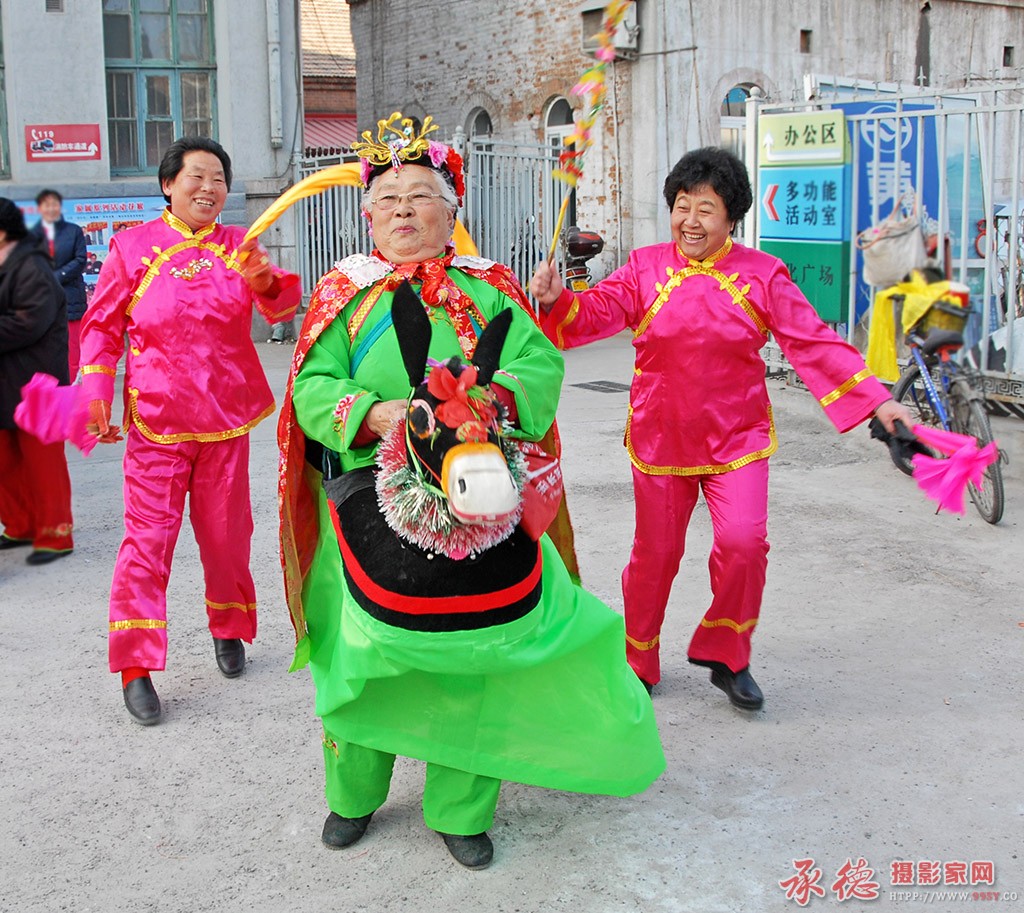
[{"x": 461, "y": 398}]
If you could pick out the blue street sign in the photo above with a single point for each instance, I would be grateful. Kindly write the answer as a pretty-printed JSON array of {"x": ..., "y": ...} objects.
[{"x": 805, "y": 203}]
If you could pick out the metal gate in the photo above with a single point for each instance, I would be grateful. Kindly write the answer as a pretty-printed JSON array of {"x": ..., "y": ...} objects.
[
  {"x": 328, "y": 224},
  {"x": 510, "y": 209},
  {"x": 973, "y": 163},
  {"x": 512, "y": 202}
]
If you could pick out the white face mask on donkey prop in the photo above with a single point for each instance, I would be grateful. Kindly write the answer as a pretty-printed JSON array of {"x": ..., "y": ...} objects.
[{"x": 437, "y": 546}]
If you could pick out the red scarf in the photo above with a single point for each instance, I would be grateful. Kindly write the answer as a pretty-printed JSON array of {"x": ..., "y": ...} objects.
[{"x": 437, "y": 289}]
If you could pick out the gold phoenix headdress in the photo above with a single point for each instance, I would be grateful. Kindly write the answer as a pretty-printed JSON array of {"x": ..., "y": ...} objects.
[{"x": 398, "y": 143}]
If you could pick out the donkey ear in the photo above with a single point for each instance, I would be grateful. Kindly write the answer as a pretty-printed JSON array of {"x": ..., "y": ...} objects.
[
  {"x": 487, "y": 356},
  {"x": 412, "y": 326}
]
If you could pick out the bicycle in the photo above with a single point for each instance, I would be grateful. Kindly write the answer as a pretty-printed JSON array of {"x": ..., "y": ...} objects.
[
  {"x": 1000, "y": 242},
  {"x": 944, "y": 394}
]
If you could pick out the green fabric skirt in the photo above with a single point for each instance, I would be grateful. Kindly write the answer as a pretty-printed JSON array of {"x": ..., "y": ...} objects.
[{"x": 546, "y": 700}]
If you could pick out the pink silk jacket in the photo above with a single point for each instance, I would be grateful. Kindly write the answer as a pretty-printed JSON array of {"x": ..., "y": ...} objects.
[
  {"x": 192, "y": 372},
  {"x": 698, "y": 403}
]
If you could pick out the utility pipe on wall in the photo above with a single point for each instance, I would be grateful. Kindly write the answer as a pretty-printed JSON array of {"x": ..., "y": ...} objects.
[{"x": 274, "y": 72}]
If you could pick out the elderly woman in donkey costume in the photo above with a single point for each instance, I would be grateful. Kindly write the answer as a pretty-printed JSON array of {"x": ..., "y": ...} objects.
[{"x": 436, "y": 623}]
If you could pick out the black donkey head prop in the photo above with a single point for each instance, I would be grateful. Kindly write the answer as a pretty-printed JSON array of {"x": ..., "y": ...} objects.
[{"x": 450, "y": 480}]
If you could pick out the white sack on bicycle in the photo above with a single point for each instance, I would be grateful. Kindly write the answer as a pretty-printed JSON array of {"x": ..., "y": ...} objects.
[{"x": 894, "y": 247}]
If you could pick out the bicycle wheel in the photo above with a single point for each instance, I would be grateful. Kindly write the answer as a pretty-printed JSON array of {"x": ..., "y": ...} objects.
[
  {"x": 911, "y": 392},
  {"x": 969, "y": 417}
]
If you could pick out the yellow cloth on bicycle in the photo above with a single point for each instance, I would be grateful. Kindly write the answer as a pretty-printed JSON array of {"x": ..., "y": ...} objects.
[{"x": 918, "y": 297}]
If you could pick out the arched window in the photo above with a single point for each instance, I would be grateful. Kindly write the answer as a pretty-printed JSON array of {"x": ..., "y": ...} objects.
[
  {"x": 479, "y": 124},
  {"x": 734, "y": 119},
  {"x": 559, "y": 120},
  {"x": 735, "y": 102},
  {"x": 733, "y": 127},
  {"x": 480, "y": 172}
]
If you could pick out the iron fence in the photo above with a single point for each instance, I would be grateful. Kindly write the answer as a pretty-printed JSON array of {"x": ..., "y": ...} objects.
[
  {"x": 512, "y": 202},
  {"x": 329, "y": 224}
]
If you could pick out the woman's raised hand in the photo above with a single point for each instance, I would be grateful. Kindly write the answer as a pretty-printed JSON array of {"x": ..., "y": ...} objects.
[
  {"x": 256, "y": 268},
  {"x": 546, "y": 285}
]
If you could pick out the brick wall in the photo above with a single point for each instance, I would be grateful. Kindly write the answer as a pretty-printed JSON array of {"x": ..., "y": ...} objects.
[
  {"x": 329, "y": 95},
  {"x": 450, "y": 58}
]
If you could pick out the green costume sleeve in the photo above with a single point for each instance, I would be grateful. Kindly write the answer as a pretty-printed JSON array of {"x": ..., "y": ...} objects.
[{"x": 330, "y": 406}]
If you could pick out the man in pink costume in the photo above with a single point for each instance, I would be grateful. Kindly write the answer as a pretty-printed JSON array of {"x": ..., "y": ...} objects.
[
  {"x": 700, "y": 308},
  {"x": 182, "y": 288}
]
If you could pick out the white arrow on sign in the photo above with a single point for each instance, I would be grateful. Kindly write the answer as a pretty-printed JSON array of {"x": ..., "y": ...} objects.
[
  {"x": 795, "y": 155},
  {"x": 92, "y": 150}
]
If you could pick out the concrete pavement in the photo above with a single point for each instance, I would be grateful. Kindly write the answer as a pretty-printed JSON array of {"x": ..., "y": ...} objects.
[{"x": 889, "y": 652}]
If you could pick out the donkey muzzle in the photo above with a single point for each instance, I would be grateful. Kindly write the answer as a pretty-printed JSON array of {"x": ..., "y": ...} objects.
[{"x": 478, "y": 484}]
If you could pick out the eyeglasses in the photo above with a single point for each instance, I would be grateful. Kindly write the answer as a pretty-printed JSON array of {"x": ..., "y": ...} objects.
[{"x": 389, "y": 201}]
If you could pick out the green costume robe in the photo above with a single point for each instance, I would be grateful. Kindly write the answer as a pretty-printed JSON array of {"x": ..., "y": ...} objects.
[{"x": 546, "y": 699}]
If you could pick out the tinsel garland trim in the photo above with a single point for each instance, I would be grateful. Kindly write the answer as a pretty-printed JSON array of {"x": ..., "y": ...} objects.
[{"x": 423, "y": 517}]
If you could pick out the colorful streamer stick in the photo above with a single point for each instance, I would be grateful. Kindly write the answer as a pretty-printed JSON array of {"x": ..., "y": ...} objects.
[{"x": 590, "y": 87}]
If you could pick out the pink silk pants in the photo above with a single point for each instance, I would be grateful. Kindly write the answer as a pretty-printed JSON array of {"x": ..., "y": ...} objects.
[
  {"x": 738, "y": 504},
  {"x": 215, "y": 475}
]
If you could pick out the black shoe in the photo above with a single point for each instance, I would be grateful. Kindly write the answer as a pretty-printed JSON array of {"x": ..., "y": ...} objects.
[
  {"x": 230, "y": 653},
  {"x": 647, "y": 685},
  {"x": 141, "y": 700},
  {"x": 7, "y": 542},
  {"x": 474, "y": 852},
  {"x": 740, "y": 686},
  {"x": 39, "y": 557},
  {"x": 339, "y": 832}
]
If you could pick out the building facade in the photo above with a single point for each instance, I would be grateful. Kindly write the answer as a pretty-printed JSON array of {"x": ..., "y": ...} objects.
[
  {"x": 683, "y": 72},
  {"x": 94, "y": 92}
]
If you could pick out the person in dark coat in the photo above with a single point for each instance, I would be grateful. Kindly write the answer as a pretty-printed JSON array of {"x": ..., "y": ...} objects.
[
  {"x": 65, "y": 243},
  {"x": 35, "y": 489}
]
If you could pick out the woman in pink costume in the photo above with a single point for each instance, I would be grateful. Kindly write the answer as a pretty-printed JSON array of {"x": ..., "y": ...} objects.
[
  {"x": 182, "y": 288},
  {"x": 700, "y": 308}
]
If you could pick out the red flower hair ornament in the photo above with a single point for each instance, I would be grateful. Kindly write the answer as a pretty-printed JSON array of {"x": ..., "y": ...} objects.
[{"x": 462, "y": 400}]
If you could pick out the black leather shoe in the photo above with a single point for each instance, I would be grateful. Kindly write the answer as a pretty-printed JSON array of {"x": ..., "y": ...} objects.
[
  {"x": 474, "y": 852},
  {"x": 230, "y": 653},
  {"x": 740, "y": 686},
  {"x": 7, "y": 542},
  {"x": 141, "y": 700},
  {"x": 45, "y": 557},
  {"x": 339, "y": 832},
  {"x": 647, "y": 685}
]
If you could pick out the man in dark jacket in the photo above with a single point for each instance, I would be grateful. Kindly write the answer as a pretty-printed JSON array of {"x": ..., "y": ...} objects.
[
  {"x": 35, "y": 489},
  {"x": 65, "y": 243}
]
